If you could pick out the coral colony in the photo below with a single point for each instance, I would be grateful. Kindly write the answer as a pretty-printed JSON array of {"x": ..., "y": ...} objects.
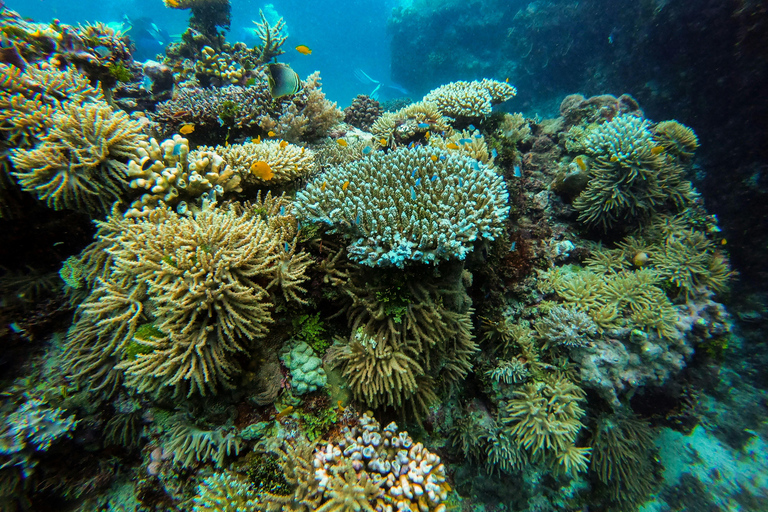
[{"x": 271, "y": 277}]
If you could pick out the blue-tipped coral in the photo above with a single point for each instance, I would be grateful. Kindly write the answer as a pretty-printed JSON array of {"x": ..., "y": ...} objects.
[{"x": 409, "y": 205}]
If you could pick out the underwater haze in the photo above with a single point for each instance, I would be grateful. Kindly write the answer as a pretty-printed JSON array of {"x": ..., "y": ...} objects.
[{"x": 383, "y": 256}]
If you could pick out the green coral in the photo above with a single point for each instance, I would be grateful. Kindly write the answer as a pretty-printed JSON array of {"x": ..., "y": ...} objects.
[
  {"x": 225, "y": 492},
  {"x": 307, "y": 373}
]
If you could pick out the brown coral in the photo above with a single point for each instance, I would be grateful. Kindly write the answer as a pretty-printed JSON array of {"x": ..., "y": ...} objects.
[{"x": 362, "y": 112}]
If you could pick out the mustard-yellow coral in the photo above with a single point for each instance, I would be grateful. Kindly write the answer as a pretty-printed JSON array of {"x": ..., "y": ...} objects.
[
  {"x": 287, "y": 161},
  {"x": 470, "y": 99}
]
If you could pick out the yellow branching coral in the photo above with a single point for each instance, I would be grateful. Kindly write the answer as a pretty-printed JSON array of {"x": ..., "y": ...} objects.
[
  {"x": 676, "y": 138},
  {"x": 183, "y": 296},
  {"x": 470, "y": 143},
  {"x": 81, "y": 162},
  {"x": 544, "y": 418},
  {"x": 172, "y": 175},
  {"x": 286, "y": 161},
  {"x": 410, "y": 121},
  {"x": 470, "y": 99}
]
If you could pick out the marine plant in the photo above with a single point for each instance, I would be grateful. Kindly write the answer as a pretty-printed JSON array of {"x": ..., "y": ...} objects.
[
  {"x": 408, "y": 205},
  {"x": 630, "y": 178}
]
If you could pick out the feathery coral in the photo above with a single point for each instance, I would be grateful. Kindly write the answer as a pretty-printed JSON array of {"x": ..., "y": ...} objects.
[{"x": 287, "y": 161}]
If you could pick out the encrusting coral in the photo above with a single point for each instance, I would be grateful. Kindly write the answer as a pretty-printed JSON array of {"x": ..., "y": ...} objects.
[
  {"x": 630, "y": 176},
  {"x": 417, "y": 204},
  {"x": 470, "y": 99},
  {"x": 184, "y": 295}
]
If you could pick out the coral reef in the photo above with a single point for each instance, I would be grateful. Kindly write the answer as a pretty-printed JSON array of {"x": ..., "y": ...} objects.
[
  {"x": 409, "y": 122},
  {"x": 287, "y": 162},
  {"x": 225, "y": 492},
  {"x": 408, "y": 205}
]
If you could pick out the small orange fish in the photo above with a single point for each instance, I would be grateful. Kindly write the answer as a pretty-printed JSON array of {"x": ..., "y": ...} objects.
[
  {"x": 186, "y": 129},
  {"x": 345, "y": 185},
  {"x": 452, "y": 145},
  {"x": 723, "y": 241},
  {"x": 383, "y": 142},
  {"x": 434, "y": 158},
  {"x": 341, "y": 142},
  {"x": 302, "y": 150},
  {"x": 580, "y": 162},
  {"x": 325, "y": 184},
  {"x": 262, "y": 170},
  {"x": 283, "y": 144},
  {"x": 172, "y": 3},
  {"x": 340, "y": 405},
  {"x": 304, "y": 49},
  {"x": 257, "y": 140},
  {"x": 427, "y": 135},
  {"x": 270, "y": 133},
  {"x": 614, "y": 158},
  {"x": 507, "y": 80},
  {"x": 657, "y": 150}
]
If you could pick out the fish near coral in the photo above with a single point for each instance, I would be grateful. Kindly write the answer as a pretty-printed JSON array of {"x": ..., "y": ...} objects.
[
  {"x": 345, "y": 185},
  {"x": 283, "y": 81},
  {"x": 304, "y": 49},
  {"x": 186, "y": 129},
  {"x": 452, "y": 145},
  {"x": 262, "y": 170},
  {"x": 342, "y": 142},
  {"x": 580, "y": 162}
]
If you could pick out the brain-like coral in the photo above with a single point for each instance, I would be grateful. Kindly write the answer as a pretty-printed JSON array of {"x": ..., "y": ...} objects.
[
  {"x": 306, "y": 369},
  {"x": 409, "y": 205},
  {"x": 470, "y": 99}
]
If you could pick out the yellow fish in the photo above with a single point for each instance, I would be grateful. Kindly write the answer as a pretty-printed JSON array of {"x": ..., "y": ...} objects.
[
  {"x": 452, "y": 145},
  {"x": 270, "y": 133},
  {"x": 322, "y": 187},
  {"x": 383, "y": 142},
  {"x": 341, "y": 142},
  {"x": 614, "y": 158},
  {"x": 580, "y": 162},
  {"x": 723, "y": 241},
  {"x": 657, "y": 150},
  {"x": 257, "y": 140},
  {"x": 283, "y": 144},
  {"x": 434, "y": 158},
  {"x": 186, "y": 129},
  {"x": 172, "y": 3},
  {"x": 304, "y": 49},
  {"x": 262, "y": 170},
  {"x": 345, "y": 185},
  {"x": 427, "y": 135}
]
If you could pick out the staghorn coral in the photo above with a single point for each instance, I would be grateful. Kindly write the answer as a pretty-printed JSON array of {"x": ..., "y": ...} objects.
[
  {"x": 172, "y": 175},
  {"x": 406, "y": 205},
  {"x": 288, "y": 162},
  {"x": 81, "y": 162},
  {"x": 363, "y": 112},
  {"x": 629, "y": 177},
  {"x": 470, "y": 99},
  {"x": 544, "y": 418},
  {"x": 203, "y": 283},
  {"x": 225, "y": 492},
  {"x": 515, "y": 128},
  {"x": 409, "y": 122},
  {"x": 369, "y": 468},
  {"x": 272, "y": 38},
  {"x": 676, "y": 138}
]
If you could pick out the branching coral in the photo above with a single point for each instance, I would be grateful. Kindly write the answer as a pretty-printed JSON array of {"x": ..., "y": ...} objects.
[
  {"x": 210, "y": 280},
  {"x": 225, "y": 492},
  {"x": 172, "y": 175},
  {"x": 544, "y": 417},
  {"x": 566, "y": 326},
  {"x": 370, "y": 468},
  {"x": 470, "y": 99},
  {"x": 286, "y": 161},
  {"x": 409, "y": 122},
  {"x": 630, "y": 178},
  {"x": 676, "y": 138},
  {"x": 469, "y": 143},
  {"x": 409, "y": 205},
  {"x": 190, "y": 445},
  {"x": 81, "y": 162},
  {"x": 363, "y": 112},
  {"x": 623, "y": 458}
]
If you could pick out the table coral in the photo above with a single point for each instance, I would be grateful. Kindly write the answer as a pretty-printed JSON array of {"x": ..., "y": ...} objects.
[
  {"x": 417, "y": 205},
  {"x": 470, "y": 99}
]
